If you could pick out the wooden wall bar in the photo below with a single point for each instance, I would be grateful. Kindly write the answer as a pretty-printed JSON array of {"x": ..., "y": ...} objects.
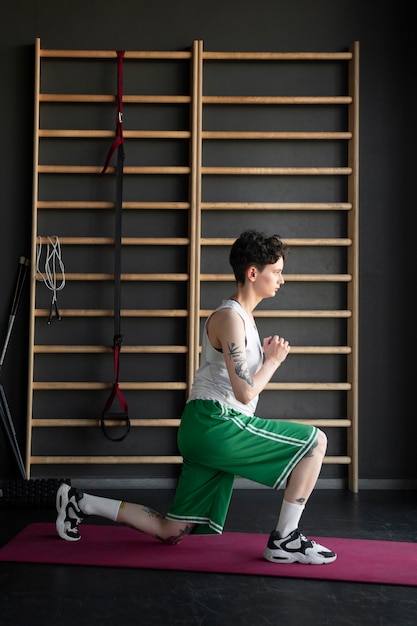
[{"x": 215, "y": 143}]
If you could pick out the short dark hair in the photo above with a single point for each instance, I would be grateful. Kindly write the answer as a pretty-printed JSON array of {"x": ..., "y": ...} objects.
[{"x": 255, "y": 248}]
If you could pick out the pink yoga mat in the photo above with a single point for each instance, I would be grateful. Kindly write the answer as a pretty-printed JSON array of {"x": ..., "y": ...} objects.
[{"x": 359, "y": 560}]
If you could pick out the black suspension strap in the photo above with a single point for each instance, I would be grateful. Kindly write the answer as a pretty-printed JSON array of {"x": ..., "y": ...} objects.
[{"x": 122, "y": 417}]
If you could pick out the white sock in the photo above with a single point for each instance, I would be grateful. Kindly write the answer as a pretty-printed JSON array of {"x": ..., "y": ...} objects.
[
  {"x": 104, "y": 507},
  {"x": 289, "y": 517}
]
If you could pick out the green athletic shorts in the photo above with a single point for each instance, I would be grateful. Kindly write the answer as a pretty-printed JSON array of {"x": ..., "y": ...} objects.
[{"x": 217, "y": 444}]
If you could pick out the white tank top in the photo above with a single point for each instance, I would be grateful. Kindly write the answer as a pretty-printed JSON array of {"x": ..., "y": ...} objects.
[{"x": 211, "y": 381}]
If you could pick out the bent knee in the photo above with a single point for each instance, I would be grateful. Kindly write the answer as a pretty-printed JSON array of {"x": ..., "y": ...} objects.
[{"x": 321, "y": 442}]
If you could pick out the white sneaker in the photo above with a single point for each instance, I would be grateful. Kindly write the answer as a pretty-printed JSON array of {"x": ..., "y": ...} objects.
[
  {"x": 296, "y": 548},
  {"x": 69, "y": 512}
]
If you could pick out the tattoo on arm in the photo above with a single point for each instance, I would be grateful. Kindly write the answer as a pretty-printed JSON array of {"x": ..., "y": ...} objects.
[{"x": 241, "y": 366}]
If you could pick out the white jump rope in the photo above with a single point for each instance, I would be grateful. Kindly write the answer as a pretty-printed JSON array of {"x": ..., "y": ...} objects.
[{"x": 53, "y": 266}]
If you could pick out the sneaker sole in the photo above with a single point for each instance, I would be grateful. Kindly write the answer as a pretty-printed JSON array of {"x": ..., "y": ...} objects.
[{"x": 61, "y": 505}]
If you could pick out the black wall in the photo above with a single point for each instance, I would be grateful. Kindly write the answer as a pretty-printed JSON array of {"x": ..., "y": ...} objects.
[{"x": 387, "y": 429}]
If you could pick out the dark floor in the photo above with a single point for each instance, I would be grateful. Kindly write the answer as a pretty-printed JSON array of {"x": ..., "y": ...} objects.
[{"x": 46, "y": 595}]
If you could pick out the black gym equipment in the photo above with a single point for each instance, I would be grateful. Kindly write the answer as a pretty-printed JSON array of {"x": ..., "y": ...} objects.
[
  {"x": 120, "y": 418},
  {"x": 6, "y": 418},
  {"x": 23, "y": 493}
]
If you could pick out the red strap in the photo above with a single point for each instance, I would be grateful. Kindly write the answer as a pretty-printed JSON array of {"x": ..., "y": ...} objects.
[
  {"x": 116, "y": 389},
  {"x": 119, "y": 118}
]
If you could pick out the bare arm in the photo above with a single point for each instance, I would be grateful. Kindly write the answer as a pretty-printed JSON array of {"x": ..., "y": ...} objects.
[{"x": 226, "y": 331}]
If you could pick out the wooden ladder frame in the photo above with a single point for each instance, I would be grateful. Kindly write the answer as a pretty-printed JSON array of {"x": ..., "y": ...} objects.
[{"x": 197, "y": 206}]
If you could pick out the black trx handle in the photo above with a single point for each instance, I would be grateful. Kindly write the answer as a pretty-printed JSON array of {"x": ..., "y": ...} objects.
[{"x": 122, "y": 417}]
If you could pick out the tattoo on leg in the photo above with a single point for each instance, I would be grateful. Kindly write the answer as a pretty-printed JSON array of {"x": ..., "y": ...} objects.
[
  {"x": 175, "y": 539},
  {"x": 300, "y": 500},
  {"x": 151, "y": 512}
]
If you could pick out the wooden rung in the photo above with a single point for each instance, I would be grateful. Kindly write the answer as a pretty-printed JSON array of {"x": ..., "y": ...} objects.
[
  {"x": 321, "y": 350},
  {"x": 127, "y": 241},
  {"x": 288, "y": 278},
  {"x": 102, "y": 460},
  {"x": 331, "y": 423},
  {"x": 87, "y": 205},
  {"x": 83, "y": 386},
  {"x": 108, "y": 98},
  {"x": 111, "y": 54},
  {"x": 156, "y": 205},
  {"x": 313, "y": 313},
  {"x": 158, "y": 54},
  {"x": 276, "y": 206},
  {"x": 110, "y": 134},
  {"x": 157, "y": 134},
  {"x": 110, "y": 312},
  {"x": 156, "y": 99},
  {"x": 328, "y": 100},
  {"x": 127, "y": 277},
  {"x": 90, "y": 423},
  {"x": 331, "y": 241},
  {"x": 66, "y": 349},
  {"x": 277, "y": 56},
  {"x": 77, "y": 97},
  {"x": 337, "y": 460},
  {"x": 308, "y": 387},
  {"x": 55, "y": 132},
  {"x": 228, "y": 241},
  {"x": 264, "y": 135},
  {"x": 323, "y": 278},
  {"x": 277, "y": 171},
  {"x": 96, "y": 169},
  {"x": 71, "y": 204},
  {"x": 178, "y": 169}
]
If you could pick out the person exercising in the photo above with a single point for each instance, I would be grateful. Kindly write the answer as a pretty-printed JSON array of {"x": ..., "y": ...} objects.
[{"x": 220, "y": 437}]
